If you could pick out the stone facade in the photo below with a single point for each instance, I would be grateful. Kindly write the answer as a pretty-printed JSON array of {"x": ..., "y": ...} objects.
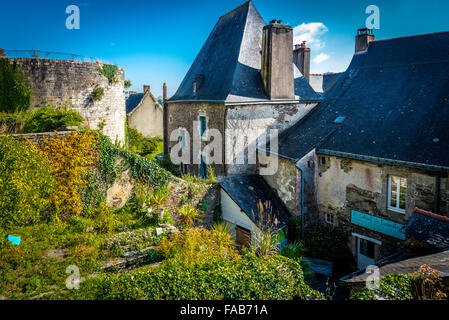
[
  {"x": 247, "y": 121},
  {"x": 71, "y": 84},
  {"x": 335, "y": 186}
]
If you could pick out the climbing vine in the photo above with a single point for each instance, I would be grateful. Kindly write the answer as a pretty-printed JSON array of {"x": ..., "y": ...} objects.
[{"x": 15, "y": 93}]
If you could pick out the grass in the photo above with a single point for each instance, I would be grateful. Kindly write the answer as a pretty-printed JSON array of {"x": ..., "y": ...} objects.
[{"x": 38, "y": 265}]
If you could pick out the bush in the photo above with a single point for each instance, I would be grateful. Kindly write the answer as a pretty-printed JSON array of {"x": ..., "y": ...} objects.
[
  {"x": 189, "y": 215},
  {"x": 110, "y": 72},
  {"x": 70, "y": 158},
  {"x": 140, "y": 144},
  {"x": 15, "y": 94},
  {"x": 48, "y": 119},
  {"x": 248, "y": 278},
  {"x": 26, "y": 183},
  {"x": 391, "y": 287},
  {"x": 198, "y": 246},
  {"x": 328, "y": 243},
  {"x": 165, "y": 162},
  {"x": 97, "y": 94}
]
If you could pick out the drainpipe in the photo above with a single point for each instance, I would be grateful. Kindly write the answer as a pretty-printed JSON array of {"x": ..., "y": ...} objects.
[
  {"x": 437, "y": 193},
  {"x": 302, "y": 200}
]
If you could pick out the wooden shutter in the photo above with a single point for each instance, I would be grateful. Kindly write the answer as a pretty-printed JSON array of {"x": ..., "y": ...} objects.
[{"x": 242, "y": 237}]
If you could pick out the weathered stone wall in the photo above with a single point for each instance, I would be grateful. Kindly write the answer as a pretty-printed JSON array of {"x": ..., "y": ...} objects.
[
  {"x": 71, "y": 84},
  {"x": 345, "y": 185},
  {"x": 39, "y": 137},
  {"x": 182, "y": 115},
  {"x": 251, "y": 118}
]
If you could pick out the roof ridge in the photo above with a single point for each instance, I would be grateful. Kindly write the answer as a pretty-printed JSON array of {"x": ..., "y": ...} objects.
[
  {"x": 431, "y": 215},
  {"x": 247, "y": 2},
  {"x": 414, "y": 36}
]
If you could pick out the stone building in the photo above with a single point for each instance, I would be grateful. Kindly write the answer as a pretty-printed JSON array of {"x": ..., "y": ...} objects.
[
  {"x": 71, "y": 84},
  {"x": 375, "y": 149},
  {"x": 144, "y": 113},
  {"x": 242, "y": 83}
]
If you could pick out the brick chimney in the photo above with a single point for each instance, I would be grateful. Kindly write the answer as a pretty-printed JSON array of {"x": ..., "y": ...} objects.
[
  {"x": 2, "y": 53},
  {"x": 363, "y": 39},
  {"x": 301, "y": 58},
  {"x": 277, "y": 61},
  {"x": 146, "y": 88}
]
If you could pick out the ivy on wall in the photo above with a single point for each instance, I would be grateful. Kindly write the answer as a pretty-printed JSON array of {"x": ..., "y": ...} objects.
[{"x": 15, "y": 93}]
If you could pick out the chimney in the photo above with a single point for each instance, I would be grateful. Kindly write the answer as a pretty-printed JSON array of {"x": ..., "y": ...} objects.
[
  {"x": 277, "y": 61},
  {"x": 363, "y": 39},
  {"x": 132, "y": 92},
  {"x": 2, "y": 53},
  {"x": 146, "y": 88},
  {"x": 164, "y": 90},
  {"x": 301, "y": 58}
]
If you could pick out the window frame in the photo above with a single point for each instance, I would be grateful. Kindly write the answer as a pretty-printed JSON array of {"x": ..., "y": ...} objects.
[
  {"x": 203, "y": 135},
  {"x": 327, "y": 220},
  {"x": 397, "y": 209}
]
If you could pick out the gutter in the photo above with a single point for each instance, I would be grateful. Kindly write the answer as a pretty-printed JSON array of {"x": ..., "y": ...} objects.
[
  {"x": 227, "y": 103},
  {"x": 383, "y": 160}
]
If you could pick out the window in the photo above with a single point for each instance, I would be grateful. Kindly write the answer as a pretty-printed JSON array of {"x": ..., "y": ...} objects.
[
  {"x": 182, "y": 139},
  {"x": 366, "y": 248},
  {"x": 397, "y": 193},
  {"x": 322, "y": 161},
  {"x": 203, "y": 126},
  {"x": 329, "y": 218}
]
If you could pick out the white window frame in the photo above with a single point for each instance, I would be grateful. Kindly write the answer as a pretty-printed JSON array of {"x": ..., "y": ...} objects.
[
  {"x": 182, "y": 138},
  {"x": 398, "y": 195}
]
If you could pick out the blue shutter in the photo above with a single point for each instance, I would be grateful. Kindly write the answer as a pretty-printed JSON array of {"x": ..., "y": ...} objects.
[{"x": 202, "y": 125}]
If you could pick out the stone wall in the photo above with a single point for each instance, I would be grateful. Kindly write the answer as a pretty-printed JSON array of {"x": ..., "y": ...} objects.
[
  {"x": 182, "y": 115},
  {"x": 71, "y": 84},
  {"x": 344, "y": 185},
  {"x": 39, "y": 137}
]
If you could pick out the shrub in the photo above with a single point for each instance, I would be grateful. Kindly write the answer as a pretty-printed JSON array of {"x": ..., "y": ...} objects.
[
  {"x": 428, "y": 284},
  {"x": 197, "y": 246},
  {"x": 248, "y": 278},
  {"x": 15, "y": 94},
  {"x": 189, "y": 215},
  {"x": 26, "y": 183},
  {"x": 210, "y": 175},
  {"x": 110, "y": 72},
  {"x": 140, "y": 144},
  {"x": 70, "y": 157},
  {"x": 105, "y": 220},
  {"x": 391, "y": 287},
  {"x": 328, "y": 243},
  {"x": 48, "y": 119},
  {"x": 165, "y": 162},
  {"x": 97, "y": 94}
]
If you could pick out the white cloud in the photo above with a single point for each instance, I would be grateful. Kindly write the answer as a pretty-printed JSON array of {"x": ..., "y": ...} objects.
[
  {"x": 321, "y": 58},
  {"x": 310, "y": 32}
]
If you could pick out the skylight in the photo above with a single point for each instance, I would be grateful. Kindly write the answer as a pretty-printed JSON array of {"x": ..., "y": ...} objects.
[{"x": 339, "y": 120}]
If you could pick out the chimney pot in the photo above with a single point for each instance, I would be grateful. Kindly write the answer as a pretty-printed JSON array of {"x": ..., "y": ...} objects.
[
  {"x": 364, "y": 37},
  {"x": 146, "y": 88},
  {"x": 301, "y": 58},
  {"x": 2, "y": 53}
]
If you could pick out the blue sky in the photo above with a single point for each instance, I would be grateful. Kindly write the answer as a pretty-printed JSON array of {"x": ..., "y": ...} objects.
[{"x": 157, "y": 41}]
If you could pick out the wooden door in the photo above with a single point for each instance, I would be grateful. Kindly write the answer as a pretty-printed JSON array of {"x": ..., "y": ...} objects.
[{"x": 242, "y": 237}]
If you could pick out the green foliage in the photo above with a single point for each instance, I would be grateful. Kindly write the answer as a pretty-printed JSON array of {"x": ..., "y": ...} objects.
[
  {"x": 110, "y": 72},
  {"x": 189, "y": 215},
  {"x": 210, "y": 175},
  {"x": 222, "y": 227},
  {"x": 48, "y": 119},
  {"x": 15, "y": 94},
  {"x": 142, "y": 169},
  {"x": 97, "y": 94},
  {"x": 165, "y": 162},
  {"x": 140, "y": 144},
  {"x": 391, "y": 287},
  {"x": 248, "y": 278},
  {"x": 104, "y": 217},
  {"x": 127, "y": 84},
  {"x": 25, "y": 182},
  {"x": 294, "y": 250},
  {"x": 328, "y": 243},
  {"x": 294, "y": 229}
]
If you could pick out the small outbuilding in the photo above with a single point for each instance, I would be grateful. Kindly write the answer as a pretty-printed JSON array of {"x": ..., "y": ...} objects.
[{"x": 249, "y": 205}]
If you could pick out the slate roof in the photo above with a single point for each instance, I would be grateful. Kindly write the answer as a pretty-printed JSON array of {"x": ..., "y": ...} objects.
[
  {"x": 395, "y": 100},
  {"x": 427, "y": 227},
  {"x": 247, "y": 191},
  {"x": 406, "y": 264},
  {"x": 133, "y": 101},
  {"x": 322, "y": 83},
  {"x": 227, "y": 67}
]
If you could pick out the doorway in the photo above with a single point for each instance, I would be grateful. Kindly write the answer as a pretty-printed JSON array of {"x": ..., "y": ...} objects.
[{"x": 366, "y": 251}]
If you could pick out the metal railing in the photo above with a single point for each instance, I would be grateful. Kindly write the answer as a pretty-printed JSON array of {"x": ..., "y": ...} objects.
[{"x": 38, "y": 54}]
